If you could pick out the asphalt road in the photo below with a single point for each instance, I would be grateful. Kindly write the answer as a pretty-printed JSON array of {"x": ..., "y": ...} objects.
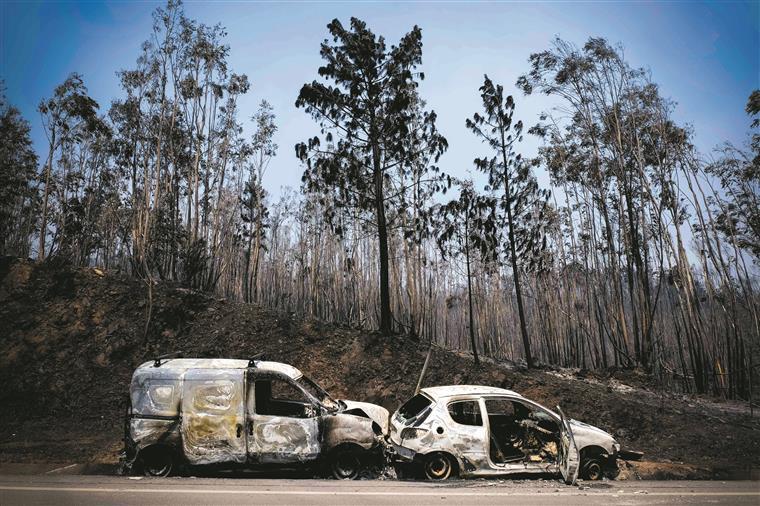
[{"x": 87, "y": 490}]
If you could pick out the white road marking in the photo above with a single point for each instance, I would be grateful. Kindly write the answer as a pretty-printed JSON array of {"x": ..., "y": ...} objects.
[
  {"x": 442, "y": 493},
  {"x": 60, "y": 469}
]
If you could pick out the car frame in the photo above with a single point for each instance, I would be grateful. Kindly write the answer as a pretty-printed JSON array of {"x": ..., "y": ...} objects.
[
  {"x": 427, "y": 436},
  {"x": 225, "y": 412}
]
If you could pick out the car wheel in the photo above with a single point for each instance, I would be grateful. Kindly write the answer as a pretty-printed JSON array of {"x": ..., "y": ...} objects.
[
  {"x": 345, "y": 463},
  {"x": 593, "y": 470},
  {"x": 439, "y": 466},
  {"x": 157, "y": 462}
]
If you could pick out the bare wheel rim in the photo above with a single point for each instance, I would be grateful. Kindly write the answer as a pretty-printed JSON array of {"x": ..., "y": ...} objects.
[
  {"x": 438, "y": 467},
  {"x": 346, "y": 465},
  {"x": 158, "y": 464},
  {"x": 594, "y": 470}
]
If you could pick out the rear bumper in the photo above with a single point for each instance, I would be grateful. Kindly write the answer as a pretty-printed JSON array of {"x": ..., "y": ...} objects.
[{"x": 401, "y": 453}]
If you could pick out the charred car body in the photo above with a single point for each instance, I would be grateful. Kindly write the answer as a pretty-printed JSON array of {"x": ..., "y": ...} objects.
[
  {"x": 228, "y": 412},
  {"x": 484, "y": 431}
]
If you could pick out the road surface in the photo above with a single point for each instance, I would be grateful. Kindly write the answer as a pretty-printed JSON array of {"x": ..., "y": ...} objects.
[{"x": 98, "y": 490}]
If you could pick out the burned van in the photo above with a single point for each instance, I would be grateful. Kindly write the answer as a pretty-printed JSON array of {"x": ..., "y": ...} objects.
[{"x": 244, "y": 413}]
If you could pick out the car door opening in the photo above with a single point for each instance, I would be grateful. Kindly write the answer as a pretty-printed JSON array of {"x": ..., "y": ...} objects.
[{"x": 520, "y": 433}]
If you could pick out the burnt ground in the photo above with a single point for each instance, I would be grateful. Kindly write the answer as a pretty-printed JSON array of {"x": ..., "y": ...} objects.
[{"x": 72, "y": 337}]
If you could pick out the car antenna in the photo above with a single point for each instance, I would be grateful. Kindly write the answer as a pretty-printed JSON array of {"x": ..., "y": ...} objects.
[
  {"x": 158, "y": 359},
  {"x": 258, "y": 356}
]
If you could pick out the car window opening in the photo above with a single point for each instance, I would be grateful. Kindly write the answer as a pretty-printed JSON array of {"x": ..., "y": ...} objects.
[
  {"x": 465, "y": 413},
  {"x": 276, "y": 397}
]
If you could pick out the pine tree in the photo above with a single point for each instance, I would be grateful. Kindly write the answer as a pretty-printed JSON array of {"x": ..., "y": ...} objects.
[{"x": 367, "y": 113}]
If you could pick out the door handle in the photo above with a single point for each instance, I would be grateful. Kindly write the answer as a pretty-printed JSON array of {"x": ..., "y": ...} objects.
[{"x": 239, "y": 430}]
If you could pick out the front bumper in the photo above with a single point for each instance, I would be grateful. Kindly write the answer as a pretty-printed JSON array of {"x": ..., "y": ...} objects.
[{"x": 629, "y": 455}]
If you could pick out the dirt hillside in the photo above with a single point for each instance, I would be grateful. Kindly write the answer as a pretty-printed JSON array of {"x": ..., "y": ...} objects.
[{"x": 72, "y": 337}]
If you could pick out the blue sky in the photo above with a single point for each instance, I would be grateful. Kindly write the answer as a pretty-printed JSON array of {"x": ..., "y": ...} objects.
[{"x": 705, "y": 56}]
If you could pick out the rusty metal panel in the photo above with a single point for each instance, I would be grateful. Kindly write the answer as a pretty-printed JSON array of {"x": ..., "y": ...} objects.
[
  {"x": 378, "y": 414},
  {"x": 213, "y": 416},
  {"x": 278, "y": 439},
  {"x": 344, "y": 428},
  {"x": 148, "y": 431},
  {"x": 156, "y": 392}
]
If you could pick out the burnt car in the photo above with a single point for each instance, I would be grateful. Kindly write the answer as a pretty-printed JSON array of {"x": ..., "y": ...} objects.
[
  {"x": 244, "y": 413},
  {"x": 477, "y": 431}
]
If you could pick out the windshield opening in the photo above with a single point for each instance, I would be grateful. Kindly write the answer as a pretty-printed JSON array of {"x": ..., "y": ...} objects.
[{"x": 319, "y": 393}]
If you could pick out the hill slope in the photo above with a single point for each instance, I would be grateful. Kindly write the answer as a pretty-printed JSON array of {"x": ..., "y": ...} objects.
[{"x": 72, "y": 337}]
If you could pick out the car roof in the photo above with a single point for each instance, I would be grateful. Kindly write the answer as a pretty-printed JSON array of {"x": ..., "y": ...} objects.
[
  {"x": 456, "y": 390},
  {"x": 183, "y": 364}
]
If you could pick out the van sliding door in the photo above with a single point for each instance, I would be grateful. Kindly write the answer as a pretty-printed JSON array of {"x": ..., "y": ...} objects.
[{"x": 213, "y": 416}]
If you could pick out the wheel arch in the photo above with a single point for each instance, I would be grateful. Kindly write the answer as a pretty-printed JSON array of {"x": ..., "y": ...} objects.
[
  {"x": 591, "y": 451},
  {"x": 607, "y": 461},
  {"x": 346, "y": 445},
  {"x": 332, "y": 444},
  {"x": 160, "y": 448},
  {"x": 348, "y": 429}
]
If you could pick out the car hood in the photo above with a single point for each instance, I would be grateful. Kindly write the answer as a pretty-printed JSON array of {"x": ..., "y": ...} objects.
[
  {"x": 585, "y": 435},
  {"x": 377, "y": 414}
]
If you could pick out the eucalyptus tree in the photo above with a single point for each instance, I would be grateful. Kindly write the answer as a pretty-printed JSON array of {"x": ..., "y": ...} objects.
[
  {"x": 18, "y": 167},
  {"x": 521, "y": 202},
  {"x": 230, "y": 152},
  {"x": 86, "y": 183},
  {"x": 633, "y": 181},
  {"x": 577, "y": 77},
  {"x": 738, "y": 171},
  {"x": 367, "y": 110},
  {"x": 414, "y": 183},
  {"x": 200, "y": 75},
  {"x": 468, "y": 227},
  {"x": 734, "y": 214},
  {"x": 605, "y": 108},
  {"x": 253, "y": 206},
  {"x": 66, "y": 116}
]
